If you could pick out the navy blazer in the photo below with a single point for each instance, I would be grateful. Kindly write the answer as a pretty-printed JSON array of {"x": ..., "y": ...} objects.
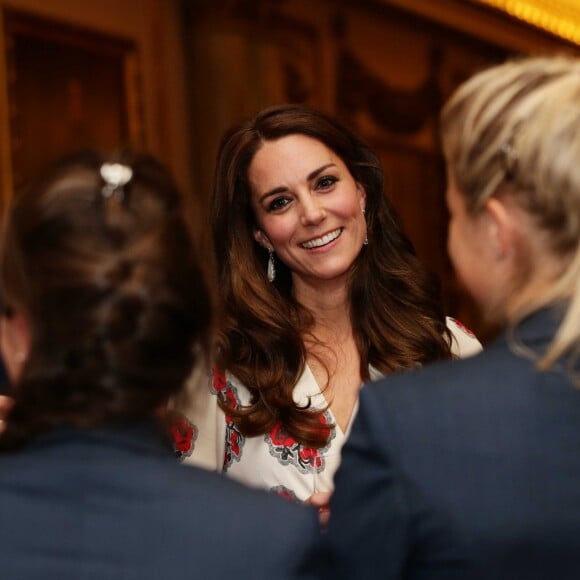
[
  {"x": 466, "y": 469},
  {"x": 114, "y": 504}
]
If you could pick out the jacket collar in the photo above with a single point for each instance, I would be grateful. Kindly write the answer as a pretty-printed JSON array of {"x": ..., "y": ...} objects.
[
  {"x": 536, "y": 330},
  {"x": 147, "y": 436}
]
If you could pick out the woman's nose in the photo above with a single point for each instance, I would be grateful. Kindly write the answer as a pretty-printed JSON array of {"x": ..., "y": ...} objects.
[{"x": 312, "y": 212}]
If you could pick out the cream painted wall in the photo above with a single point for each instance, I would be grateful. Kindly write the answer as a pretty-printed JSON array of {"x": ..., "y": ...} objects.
[{"x": 153, "y": 25}]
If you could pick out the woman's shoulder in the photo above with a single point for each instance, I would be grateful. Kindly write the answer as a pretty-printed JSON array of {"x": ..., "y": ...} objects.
[{"x": 463, "y": 342}]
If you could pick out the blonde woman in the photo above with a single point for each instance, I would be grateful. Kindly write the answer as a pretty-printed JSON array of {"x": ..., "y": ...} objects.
[{"x": 471, "y": 469}]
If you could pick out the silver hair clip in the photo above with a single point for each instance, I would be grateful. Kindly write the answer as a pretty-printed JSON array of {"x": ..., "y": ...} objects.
[
  {"x": 115, "y": 176},
  {"x": 509, "y": 160}
]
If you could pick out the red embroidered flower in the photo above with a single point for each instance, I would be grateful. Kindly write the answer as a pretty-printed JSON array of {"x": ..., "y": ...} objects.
[
  {"x": 219, "y": 380},
  {"x": 285, "y": 493},
  {"x": 289, "y": 452},
  {"x": 280, "y": 437},
  {"x": 310, "y": 456},
  {"x": 234, "y": 442},
  {"x": 183, "y": 433},
  {"x": 229, "y": 397}
]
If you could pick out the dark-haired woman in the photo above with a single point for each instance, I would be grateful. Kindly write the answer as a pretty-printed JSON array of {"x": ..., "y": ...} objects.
[
  {"x": 321, "y": 291},
  {"x": 106, "y": 311}
]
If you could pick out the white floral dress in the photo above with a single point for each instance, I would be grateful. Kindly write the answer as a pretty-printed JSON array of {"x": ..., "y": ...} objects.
[{"x": 206, "y": 436}]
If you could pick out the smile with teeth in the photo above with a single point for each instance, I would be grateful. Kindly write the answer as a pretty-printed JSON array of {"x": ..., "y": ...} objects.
[{"x": 323, "y": 240}]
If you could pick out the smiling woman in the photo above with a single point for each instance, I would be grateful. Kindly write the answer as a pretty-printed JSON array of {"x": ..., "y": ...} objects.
[
  {"x": 320, "y": 291},
  {"x": 312, "y": 219}
]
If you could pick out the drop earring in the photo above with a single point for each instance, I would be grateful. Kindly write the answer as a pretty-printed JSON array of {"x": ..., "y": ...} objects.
[
  {"x": 271, "y": 267},
  {"x": 366, "y": 240}
]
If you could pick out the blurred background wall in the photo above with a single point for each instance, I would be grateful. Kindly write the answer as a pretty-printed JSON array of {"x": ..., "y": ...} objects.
[{"x": 169, "y": 76}]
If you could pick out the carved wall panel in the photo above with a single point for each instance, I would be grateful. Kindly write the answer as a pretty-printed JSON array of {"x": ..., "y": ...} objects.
[
  {"x": 245, "y": 55},
  {"x": 68, "y": 89}
]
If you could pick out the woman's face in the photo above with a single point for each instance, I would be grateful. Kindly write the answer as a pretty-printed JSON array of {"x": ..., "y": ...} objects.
[
  {"x": 308, "y": 208},
  {"x": 471, "y": 251}
]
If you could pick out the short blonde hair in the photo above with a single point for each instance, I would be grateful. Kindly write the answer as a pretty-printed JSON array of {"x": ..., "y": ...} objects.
[{"x": 515, "y": 129}]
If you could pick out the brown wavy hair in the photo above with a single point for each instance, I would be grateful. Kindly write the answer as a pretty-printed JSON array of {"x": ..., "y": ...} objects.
[
  {"x": 395, "y": 306},
  {"x": 113, "y": 293}
]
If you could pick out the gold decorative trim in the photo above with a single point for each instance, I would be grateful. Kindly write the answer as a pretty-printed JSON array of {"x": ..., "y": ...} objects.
[{"x": 558, "y": 17}]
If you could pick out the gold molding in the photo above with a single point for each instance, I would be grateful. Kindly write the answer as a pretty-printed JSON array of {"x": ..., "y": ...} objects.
[
  {"x": 490, "y": 23},
  {"x": 558, "y": 17}
]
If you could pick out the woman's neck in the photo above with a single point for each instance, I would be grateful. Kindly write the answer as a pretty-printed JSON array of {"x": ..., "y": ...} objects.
[
  {"x": 332, "y": 353},
  {"x": 545, "y": 274},
  {"x": 328, "y": 305}
]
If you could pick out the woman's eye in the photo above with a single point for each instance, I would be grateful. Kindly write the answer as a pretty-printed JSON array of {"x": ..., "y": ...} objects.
[
  {"x": 278, "y": 203},
  {"x": 326, "y": 182}
]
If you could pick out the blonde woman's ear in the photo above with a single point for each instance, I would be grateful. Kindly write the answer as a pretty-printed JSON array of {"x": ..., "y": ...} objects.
[{"x": 500, "y": 227}]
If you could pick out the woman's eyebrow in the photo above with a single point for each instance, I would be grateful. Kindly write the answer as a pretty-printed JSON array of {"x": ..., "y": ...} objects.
[
  {"x": 275, "y": 191},
  {"x": 316, "y": 172}
]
